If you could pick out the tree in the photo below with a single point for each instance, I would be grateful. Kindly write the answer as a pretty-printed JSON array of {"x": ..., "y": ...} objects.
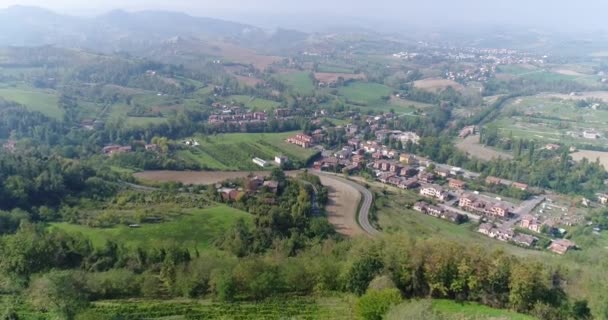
[
  {"x": 580, "y": 310},
  {"x": 362, "y": 272},
  {"x": 223, "y": 285},
  {"x": 374, "y": 304},
  {"x": 58, "y": 292}
]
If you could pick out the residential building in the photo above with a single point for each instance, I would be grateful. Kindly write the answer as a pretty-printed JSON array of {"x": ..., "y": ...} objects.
[
  {"x": 485, "y": 228},
  {"x": 408, "y": 184},
  {"x": 591, "y": 134},
  {"x": 531, "y": 223},
  {"x": 603, "y": 198},
  {"x": 500, "y": 210},
  {"x": 434, "y": 191},
  {"x": 467, "y": 131},
  {"x": 493, "y": 180},
  {"x": 520, "y": 186},
  {"x": 280, "y": 160},
  {"x": 407, "y": 158},
  {"x": 561, "y": 246},
  {"x": 408, "y": 171},
  {"x": 302, "y": 140},
  {"x": 426, "y": 177},
  {"x": 457, "y": 184},
  {"x": 524, "y": 240}
]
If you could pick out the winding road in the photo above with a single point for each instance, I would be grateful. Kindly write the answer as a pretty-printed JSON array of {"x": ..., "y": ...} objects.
[{"x": 366, "y": 203}]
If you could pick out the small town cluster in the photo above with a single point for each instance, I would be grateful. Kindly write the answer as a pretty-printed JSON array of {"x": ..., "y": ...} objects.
[{"x": 443, "y": 189}]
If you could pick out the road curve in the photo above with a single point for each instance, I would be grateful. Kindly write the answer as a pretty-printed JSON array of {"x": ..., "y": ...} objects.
[{"x": 366, "y": 203}]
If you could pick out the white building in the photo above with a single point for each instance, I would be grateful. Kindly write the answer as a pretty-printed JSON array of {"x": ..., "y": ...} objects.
[
  {"x": 260, "y": 162},
  {"x": 281, "y": 160}
]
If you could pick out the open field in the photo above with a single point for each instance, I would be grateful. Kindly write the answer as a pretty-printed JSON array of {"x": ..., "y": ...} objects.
[
  {"x": 436, "y": 84},
  {"x": 235, "y": 151},
  {"x": 194, "y": 177},
  {"x": 471, "y": 310},
  {"x": 44, "y": 101},
  {"x": 471, "y": 146},
  {"x": 253, "y": 102},
  {"x": 365, "y": 93},
  {"x": 196, "y": 228},
  {"x": 300, "y": 82},
  {"x": 328, "y": 77},
  {"x": 238, "y": 54},
  {"x": 248, "y": 81},
  {"x": 602, "y": 95},
  {"x": 591, "y": 156}
]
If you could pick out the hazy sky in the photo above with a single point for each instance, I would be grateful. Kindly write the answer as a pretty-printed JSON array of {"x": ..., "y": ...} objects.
[{"x": 558, "y": 13}]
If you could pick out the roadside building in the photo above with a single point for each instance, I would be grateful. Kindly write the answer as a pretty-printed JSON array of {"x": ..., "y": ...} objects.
[
  {"x": 561, "y": 246},
  {"x": 457, "y": 184}
]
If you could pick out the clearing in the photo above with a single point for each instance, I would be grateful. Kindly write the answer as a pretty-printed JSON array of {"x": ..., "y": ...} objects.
[
  {"x": 329, "y": 77},
  {"x": 43, "y": 101},
  {"x": 194, "y": 228},
  {"x": 300, "y": 82},
  {"x": 437, "y": 84},
  {"x": 471, "y": 146}
]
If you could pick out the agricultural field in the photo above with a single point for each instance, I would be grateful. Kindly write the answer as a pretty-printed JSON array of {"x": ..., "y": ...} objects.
[
  {"x": 194, "y": 177},
  {"x": 196, "y": 228},
  {"x": 552, "y": 120},
  {"x": 279, "y": 308},
  {"x": 255, "y": 103},
  {"x": 561, "y": 73},
  {"x": 235, "y": 151},
  {"x": 471, "y": 146},
  {"x": 365, "y": 93},
  {"x": 299, "y": 82},
  {"x": 602, "y": 156},
  {"x": 329, "y": 77},
  {"x": 470, "y": 310},
  {"x": 44, "y": 101},
  {"x": 433, "y": 84}
]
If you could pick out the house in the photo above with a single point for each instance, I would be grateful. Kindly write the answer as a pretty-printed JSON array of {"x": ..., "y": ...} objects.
[
  {"x": 524, "y": 240},
  {"x": 253, "y": 184},
  {"x": 10, "y": 146},
  {"x": 531, "y": 223},
  {"x": 377, "y": 155},
  {"x": 603, "y": 198},
  {"x": 453, "y": 217},
  {"x": 466, "y": 201},
  {"x": 420, "y": 206},
  {"x": 502, "y": 234},
  {"x": 405, "y": 137},
  {"x": 260, "y": 162},
  {"x": 520, "y": 186},
  {"x": 408, "y": 171},
  {"x": 434, "y": 191},
  {"x": 591, "y": 134},
  {"x": 493, "y": 180},
  {"x": 561, "y": 246},
  {"x": 485, "y": 228},
  {"x": 457, "y": 184},
  {"x": 302, "y": 140},
  {"x": 426, "y": 177},
  {"x": 355, "y": 143},
  {"x": 467, "y": 131},
  {"x": 552, "y": 146},
  {"x": 152, "y": 147},
  {"x": 229, "y": 194},
  {"x": 442, "y": 172},
  {"x": 434, "y": 211},
  {"x": 282, "y": 113},
  {"x": 272, "y": 185},
  {"x": 371, "y": 146},
  {"x": 407, "y": 158},
  {"x": 280, "y": 160},
  {"x": 409, "y": 184},
  {"x": 115, "y": 149},
  {"x": 500, "y": 210}
]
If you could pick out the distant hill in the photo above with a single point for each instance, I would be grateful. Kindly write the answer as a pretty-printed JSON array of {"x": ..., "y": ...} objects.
[{"x": 116, "y": 30}]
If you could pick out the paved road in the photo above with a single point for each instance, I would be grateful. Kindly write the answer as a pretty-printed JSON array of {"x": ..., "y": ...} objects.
[{"x": 366, "y": 204}]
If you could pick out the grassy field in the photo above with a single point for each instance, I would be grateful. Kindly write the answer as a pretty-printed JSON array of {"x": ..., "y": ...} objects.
[
  {"x": 365, "y": 93},
  {"x": 195, "y": 228},
  {"x": 300, "y": 82},
  {"x": 255, "y": 103},
  {"x": 235, "y": 151},
  {"x": 474, "y": 311},
  {"x": 44, "y": 101}
]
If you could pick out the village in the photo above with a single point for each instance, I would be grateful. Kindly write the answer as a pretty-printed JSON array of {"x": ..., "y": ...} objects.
[{"x": 444, "y": 191}]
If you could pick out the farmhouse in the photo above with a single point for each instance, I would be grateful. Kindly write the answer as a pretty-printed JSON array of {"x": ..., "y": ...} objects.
[
  {"x": 116, "y": 149},
  {"x": 260, "y": 162},
  {"x": 561, "y": 246},
  {"x": 493, "y": 180},
  {"x": 407, "y": 158},
  {"x": 434, "y": 191},
  {"x": 485, "y": 228},
  {"x": 520, "y": 186}
]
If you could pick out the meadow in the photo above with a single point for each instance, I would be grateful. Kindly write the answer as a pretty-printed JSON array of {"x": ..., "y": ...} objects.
[
  {"x": 255, "y": 103},
  {"x": 44, "y": 101},
  {"x": 235, "y": 151},
  {"x": 195, "y": 228},
  {"x": 299, "y": 82}
]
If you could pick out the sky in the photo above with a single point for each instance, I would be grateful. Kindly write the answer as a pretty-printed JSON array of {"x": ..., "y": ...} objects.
[{"x": 564, "y": 14}]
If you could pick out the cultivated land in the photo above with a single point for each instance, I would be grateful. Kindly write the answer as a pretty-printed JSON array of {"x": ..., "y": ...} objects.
[
  {"x": 44, "y": 101},
  {"x": 591, "y": 156},
  {"x": 194, "y": 177},
  {"x": 235, "y": 151},
  {"x": 329, "y": 77},
  {"x": 434, "y": 84},
  {"x": 194, "y": 228},
  {"x": 255, "y": 103},
  {"x": 299, "y": 82},
  {"x": 471, "y": 146}
]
